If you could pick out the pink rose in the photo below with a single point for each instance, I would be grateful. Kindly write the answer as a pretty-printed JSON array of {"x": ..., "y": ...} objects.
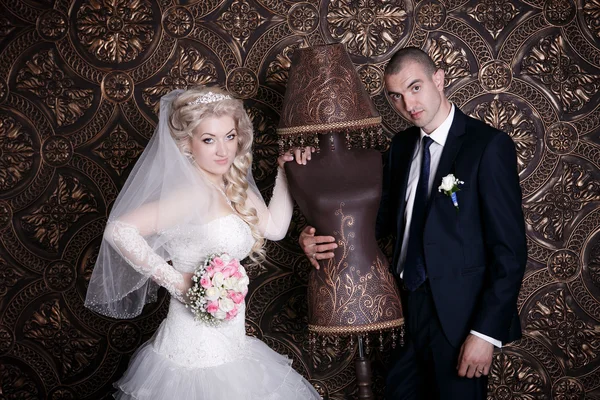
[
  {"x": 229, "y": 271},
  {"x": 237, "y": 297},
  {"x": 212, "y": 306},
  {"x": 231, "y": 314},
  {"x": 237, "y": 275},
  {"x": 217, "y": 262},
  {"x": 210, "y": 270},
  {"x": 205, "y": 282},
  {"x": 234, "y": 263}
]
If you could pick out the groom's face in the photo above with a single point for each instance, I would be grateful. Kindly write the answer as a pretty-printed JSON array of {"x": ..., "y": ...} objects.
[{"x": 417, "y": 95}]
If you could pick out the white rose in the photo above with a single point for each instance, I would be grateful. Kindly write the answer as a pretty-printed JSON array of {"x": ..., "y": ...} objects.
[
  {"x": 229, "y": 283},
  {"x": 245, "y": 280},
  {"x": 242, "y": 284},
  {"x": 223, "y": 293},
  {"x": 226, "y": 258},
  {"x": 448, "y": 183},
  {"x": 226, "y": 305},
  {"x": 218, "y": 279},
  {"x": 212, "y": 293},
  {"x": 219, "y": 314}
]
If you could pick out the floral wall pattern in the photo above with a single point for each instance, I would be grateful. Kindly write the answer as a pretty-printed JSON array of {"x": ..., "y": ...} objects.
[{"x": 80, "y": 82}]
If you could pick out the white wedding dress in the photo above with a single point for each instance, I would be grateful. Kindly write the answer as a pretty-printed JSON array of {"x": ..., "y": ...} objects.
[{"x": 189, "y": 360}]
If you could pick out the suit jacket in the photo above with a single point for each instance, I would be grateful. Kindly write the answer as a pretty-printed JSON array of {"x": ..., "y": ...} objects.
[{"x": 475, "y": 258}]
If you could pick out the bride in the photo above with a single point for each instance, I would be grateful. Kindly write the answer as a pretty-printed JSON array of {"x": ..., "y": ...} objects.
[{"x": 190, "y": 195}]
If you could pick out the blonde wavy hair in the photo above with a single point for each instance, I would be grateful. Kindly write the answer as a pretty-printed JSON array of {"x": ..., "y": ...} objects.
[{"x": 185, "y": 118}]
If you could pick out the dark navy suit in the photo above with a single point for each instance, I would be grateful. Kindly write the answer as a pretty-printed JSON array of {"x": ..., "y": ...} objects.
[{"x": 475, "y": 258}]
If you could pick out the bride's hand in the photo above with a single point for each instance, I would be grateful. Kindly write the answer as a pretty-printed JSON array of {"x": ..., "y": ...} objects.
[
  {"x": 187, "y": 282},
  {"x": 296, "y": 153}
]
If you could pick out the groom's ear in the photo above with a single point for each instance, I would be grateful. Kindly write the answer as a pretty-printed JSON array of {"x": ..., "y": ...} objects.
[{"x": 438, "y": 79}]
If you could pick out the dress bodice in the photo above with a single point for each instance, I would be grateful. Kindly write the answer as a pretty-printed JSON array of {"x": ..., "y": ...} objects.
[
  {"x": 184, "y": 340},
  {"x": 188, "y": 246}
]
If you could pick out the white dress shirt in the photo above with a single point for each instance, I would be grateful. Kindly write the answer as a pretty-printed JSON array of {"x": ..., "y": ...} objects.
[{"x": 439, "y": 137}]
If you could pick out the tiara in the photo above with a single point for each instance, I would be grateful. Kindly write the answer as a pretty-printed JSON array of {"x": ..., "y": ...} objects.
[{"x": 209, "y": 97}]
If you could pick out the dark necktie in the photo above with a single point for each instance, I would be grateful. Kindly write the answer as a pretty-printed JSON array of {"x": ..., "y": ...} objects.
[{"x": 414, "y": 265}]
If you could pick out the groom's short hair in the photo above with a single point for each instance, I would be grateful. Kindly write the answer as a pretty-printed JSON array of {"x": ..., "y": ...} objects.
[{"x": 410, "y": 54}]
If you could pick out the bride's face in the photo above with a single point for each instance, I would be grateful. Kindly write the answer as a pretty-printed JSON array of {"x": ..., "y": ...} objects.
[{"x": 214, "y": 145}]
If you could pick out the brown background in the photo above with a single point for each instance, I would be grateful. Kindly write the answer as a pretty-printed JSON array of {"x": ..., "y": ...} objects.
[{"x": 79, "y": 88}]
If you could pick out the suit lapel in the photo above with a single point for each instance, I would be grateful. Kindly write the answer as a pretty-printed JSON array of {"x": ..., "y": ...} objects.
[{"x": 451, "y": 148}]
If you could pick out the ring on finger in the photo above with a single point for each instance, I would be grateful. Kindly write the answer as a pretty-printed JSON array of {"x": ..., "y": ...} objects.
[{"x": 314, "y": 256}]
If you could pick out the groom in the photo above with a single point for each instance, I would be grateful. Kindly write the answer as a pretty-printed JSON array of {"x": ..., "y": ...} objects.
[{"x": 459, "y": 259}]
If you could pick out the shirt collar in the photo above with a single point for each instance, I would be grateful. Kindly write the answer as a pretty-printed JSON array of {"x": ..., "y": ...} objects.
[{"x": 440, "y": 134}]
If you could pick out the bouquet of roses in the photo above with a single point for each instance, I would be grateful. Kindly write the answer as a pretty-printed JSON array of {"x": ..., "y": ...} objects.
[{"x": 218, "y": 290}]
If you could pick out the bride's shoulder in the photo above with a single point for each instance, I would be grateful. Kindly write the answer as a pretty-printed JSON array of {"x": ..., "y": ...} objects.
[{"x": 192, "y": 196}]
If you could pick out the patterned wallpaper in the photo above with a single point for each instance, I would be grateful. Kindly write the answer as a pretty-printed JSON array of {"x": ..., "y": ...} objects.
[{"x": 79, "y": 88}]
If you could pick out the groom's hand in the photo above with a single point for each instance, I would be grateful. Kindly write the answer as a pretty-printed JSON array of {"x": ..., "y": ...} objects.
[
  {"x": 316, "y": 247},
  {"x": 301, "y": 154},
  {"x": 475, "y": 357}
]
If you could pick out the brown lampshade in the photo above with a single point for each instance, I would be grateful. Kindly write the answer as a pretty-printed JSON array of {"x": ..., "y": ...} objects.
[{"x": 325, "y": 94}]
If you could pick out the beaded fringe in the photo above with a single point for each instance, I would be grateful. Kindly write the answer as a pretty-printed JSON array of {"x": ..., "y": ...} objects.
[
  {"x": 356, "y": 138},
  {"x": 346, "y": 342}
]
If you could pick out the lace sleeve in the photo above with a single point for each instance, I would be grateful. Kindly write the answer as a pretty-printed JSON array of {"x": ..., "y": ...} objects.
[
  {"x": 275, "y": 219},
  {"x": 128, "y": 242}
]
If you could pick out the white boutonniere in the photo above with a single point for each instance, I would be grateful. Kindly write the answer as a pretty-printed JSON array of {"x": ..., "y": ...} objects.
[{"x": 450, "y": 186}]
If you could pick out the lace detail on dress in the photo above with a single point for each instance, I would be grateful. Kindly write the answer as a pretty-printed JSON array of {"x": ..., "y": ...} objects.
[
  {"x": 136, "y": 251},
  {"x": 185, "y": 341},
  {"x": 190, "y": 245},
  {"x": 193, "y": 344}
]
